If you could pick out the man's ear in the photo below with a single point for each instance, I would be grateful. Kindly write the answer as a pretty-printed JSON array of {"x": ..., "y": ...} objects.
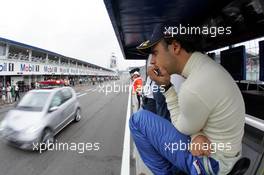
[{"x": 176, "y": 46}]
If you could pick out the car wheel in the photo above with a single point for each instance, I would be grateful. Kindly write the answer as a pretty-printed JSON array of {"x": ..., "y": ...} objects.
[
  {"x": 78, "y": 115},
  {"x": 47, "y": 139}
]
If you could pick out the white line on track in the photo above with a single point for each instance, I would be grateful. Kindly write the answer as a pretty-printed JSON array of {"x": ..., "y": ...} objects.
[
  {"x": 78, "y": 96},
  {"x": 125, "y": 166}
]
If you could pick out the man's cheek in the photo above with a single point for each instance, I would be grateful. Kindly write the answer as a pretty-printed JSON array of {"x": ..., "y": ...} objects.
[
  {"x": 163, "y": 60},
  {"x": 159, "y": 62}
]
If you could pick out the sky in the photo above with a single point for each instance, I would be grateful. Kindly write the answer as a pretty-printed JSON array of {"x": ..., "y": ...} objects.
[{"x": 79, "y": 29}]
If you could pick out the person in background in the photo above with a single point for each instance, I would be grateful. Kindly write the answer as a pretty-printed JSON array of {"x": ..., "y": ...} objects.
[
  {"x": 17, "y": 92},
  {"x": 4, "y": 94},
  {"x": 94, "y": 80},
  {"x": 161, "y": 105},
  {"x": 148, "y": 101},
  {"x": 8, "y": 92},
  {"x": 154, "y": 100},
  {"x": 73, "y": 83},
  {"x": 137, "y": 86},
  {"x": 37, "y": 85}
]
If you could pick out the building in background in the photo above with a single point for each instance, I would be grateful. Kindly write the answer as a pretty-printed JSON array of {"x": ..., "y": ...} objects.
[
  {"x": 26, "y": 65},
  {"x": 113, "y": 61}
]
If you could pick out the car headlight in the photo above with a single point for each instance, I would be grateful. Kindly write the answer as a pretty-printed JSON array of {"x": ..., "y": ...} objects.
[
  {"x": 2, "y": 125},
  {"x": 32, "y": 129}
]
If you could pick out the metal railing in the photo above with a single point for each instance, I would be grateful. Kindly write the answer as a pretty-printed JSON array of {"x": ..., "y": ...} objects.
[{"x": 255, "y": 122}]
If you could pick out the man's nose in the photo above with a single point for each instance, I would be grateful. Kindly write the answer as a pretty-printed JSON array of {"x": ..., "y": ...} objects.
[{"x": 153, "y": 60}]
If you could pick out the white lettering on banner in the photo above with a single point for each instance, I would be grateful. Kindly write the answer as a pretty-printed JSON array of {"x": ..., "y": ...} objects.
[
  {"x": 64, "y": 70},
  {"x": 74, "y": 71},
  {"x": 82, "y": 71},
  {"x": 23, "y": 68},
  {"x": 29, "y": 68},
  {"x": 50, "y": 69},
  {"x": 5, "y": 68},
  {"x": 11, "y": 66}
]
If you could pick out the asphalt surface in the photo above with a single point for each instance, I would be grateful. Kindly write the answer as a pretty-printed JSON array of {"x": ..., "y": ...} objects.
[{"x": 102, "y": 125}]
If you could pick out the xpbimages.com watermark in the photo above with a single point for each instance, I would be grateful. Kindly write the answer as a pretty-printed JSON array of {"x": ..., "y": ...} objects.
[
  {"x": 60, "y": 146},
  {"x": 181, "y": 146},
  {"x": 211, "y": 31},
  {"x": 123, "y": 88}
]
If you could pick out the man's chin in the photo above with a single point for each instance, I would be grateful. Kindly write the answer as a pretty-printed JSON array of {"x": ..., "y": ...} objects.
[{"x": 171, "y": 72}]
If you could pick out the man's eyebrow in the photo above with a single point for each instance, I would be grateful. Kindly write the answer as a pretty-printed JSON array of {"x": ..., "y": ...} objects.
[{"x": 153, "y": 50}]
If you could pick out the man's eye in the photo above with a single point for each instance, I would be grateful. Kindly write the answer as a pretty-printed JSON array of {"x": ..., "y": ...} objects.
[{"x": 154, "y": 52}]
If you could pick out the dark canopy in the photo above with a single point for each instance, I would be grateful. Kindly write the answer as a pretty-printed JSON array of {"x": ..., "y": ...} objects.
[{"x": 133, "y": 20}]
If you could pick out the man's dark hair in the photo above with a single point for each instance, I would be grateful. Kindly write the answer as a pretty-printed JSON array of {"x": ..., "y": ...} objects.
[{"x": 190, "y": 43}]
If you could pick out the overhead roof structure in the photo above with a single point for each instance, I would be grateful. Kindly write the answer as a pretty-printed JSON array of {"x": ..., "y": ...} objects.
[
  {"x": 26, "y": 46},
  {"x": 133, "y": 20}
]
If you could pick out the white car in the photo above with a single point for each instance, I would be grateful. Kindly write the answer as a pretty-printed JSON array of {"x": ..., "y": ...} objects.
[{"x": 39, "y": 116}]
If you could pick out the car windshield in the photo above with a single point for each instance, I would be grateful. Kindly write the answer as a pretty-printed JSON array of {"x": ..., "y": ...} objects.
[{"x": 33, "y": 101}]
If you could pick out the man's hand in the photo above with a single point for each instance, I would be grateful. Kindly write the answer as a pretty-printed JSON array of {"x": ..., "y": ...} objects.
[
  {"x": 200, "y": 146},
  {"x": 162, "y": 79}
]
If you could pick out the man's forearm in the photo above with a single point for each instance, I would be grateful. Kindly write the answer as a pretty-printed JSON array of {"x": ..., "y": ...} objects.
[
  {"x": 187, "y": 115},
  {"x": 172, "y": 104}
]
